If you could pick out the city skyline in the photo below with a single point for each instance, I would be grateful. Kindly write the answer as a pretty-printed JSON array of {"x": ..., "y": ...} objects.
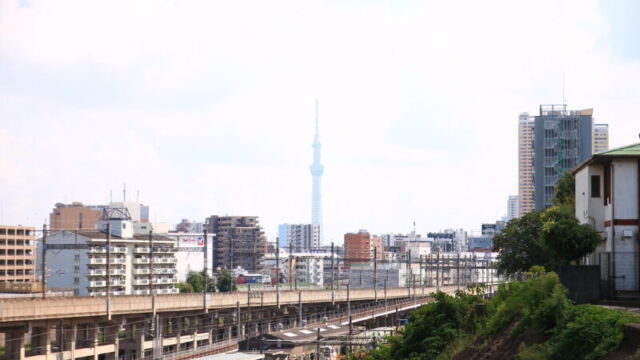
[{"x": 208, "y": 115}]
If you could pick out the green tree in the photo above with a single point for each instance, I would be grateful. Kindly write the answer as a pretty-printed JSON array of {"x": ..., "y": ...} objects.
[
  {"x": 569, "y": 240},
  {"x": 225, "y": 282},
  {"x": 197, "y": 278},
  {"x": 564, "y": 193},
  {"x": 520, "y": 246},
  {"x": 184, "y": 287}
]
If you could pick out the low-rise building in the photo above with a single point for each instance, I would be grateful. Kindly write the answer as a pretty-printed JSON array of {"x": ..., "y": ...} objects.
[{"x": 608, "y": 198}]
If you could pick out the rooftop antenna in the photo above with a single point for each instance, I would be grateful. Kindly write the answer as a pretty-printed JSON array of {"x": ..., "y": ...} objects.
[
  {"x": 138, "y": 196},
  {"x": 110, "y": 196},
  {"x": 124, "y": 193}
]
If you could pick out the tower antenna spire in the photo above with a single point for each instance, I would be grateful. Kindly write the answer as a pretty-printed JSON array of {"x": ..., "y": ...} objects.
[{"x": 316, "y": 116}]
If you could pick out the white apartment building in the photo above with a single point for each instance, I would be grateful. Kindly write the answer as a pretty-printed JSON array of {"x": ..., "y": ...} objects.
[
  {"x": 608, "y": 198},
  {"x": 306, "y": 267},
  {"x": 299, "y": 237},
  {"x": 137, "y": 264}
]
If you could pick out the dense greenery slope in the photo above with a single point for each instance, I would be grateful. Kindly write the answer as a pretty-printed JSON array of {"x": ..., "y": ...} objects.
[{"x": 451, "y": 324}]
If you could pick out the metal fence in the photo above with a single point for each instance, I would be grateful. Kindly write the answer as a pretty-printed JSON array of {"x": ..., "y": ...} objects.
[{"x": 619, "y": 273}]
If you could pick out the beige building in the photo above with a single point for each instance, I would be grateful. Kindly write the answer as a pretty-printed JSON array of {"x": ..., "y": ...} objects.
[
  {"x": 74, "y": 216},
  {"x": 17, "y": 254},
  {"x": 526, "y": 126},
  {"x": 600, "y": 138}
]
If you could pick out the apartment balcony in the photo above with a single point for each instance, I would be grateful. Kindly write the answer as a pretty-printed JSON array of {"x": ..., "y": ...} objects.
[
  {"x": 141, "y": 261},
  {"x": 143, "y": 271},
  {"x": 103, "y": 283},
  {"x": 140, "y": 250},
  {"x": 141, "y": 282},
  {"x": 164, "y": 260},
  {"x": 103, "y": 272},
  {"x": 103, "y": 250},
  {"x": 103, "y": 261},
  {"x": 164, "y": 281},
  {"x": 141, "y": 292}
]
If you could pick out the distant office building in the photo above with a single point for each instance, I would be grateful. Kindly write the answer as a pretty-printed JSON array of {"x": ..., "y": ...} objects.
[
  {"x": 562, "y": 142},
  {"x": 17, "y": 254},
  {"x": 78, "y": 260},
  {"x": 526, "y": 135},
  {"x": 600, "y": 140},
  {"x": 188, "y": 226},
  {"x": 389, "y": 274},
  {"x": 512, "y": 207},
  {"x": 239, "y": 241},
  {"x": 75, "y": 216},
  {"x": 357, "y": 248},
  {"x": 299, "y": 237}
]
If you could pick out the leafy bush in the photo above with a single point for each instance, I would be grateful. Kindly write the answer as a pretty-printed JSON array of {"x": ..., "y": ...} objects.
[{"x": 588, "y": 333}]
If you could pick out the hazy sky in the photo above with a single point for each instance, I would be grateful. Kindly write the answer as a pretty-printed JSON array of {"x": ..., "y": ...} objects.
[{"x": 207, "y": 107}]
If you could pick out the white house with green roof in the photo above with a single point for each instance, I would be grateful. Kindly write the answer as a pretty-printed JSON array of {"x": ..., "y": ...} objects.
[{"x": 608, "y": 198}]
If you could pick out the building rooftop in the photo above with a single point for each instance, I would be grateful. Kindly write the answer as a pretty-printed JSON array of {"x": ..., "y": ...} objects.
[
  {"x": 627, "y": 151},
  {"x": 95, "y": 234}
]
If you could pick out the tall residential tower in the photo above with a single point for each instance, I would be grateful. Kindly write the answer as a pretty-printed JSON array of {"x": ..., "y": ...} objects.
[
  {"x": 316, "y": 172},
  {"x": 526, "y": 124}
]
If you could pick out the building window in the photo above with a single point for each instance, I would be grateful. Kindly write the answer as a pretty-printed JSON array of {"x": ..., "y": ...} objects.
[
  {"x": 76, "y": 280},
  {"x": 77, "y": 257},
  {"x": 76, "y": 268},
  {"x": 595, "y": 186}
]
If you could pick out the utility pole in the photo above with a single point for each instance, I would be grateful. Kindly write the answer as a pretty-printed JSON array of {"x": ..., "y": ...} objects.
[
  {"x": 205, "y": 271},
  {"x": 438, "y": 271},
  {"x": 108, "y": 258},
  {"x": 375, "y": 274},
  {"x": 151, "y": 262},
  {"x": 333, "y": 279},
  {"x": 318, "y": 346},
  {"x": 290, "y": 265},
  {"x": 278, "y": 272},
  {"x": 421, "y": 283},
  {"x": 44, "y": 261},
  {"x": 458, "y": 271}
]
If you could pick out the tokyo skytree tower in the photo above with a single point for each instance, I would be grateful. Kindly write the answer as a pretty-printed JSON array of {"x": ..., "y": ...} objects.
[{"x": 316, "y": 172}]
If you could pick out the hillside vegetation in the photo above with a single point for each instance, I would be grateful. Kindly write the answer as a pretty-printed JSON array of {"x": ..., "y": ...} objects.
[{"x": 532, "y": 319}]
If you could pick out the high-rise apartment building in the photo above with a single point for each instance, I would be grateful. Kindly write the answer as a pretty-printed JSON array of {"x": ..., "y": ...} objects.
[
  {"x": 137, "y": 262},
  {"x": 75, "y": 216},
  {"x": 299, "y": 237},
  {"x": 239, "y": 242},
  {"x": 17, "y": 254},
  {"x": 512, "y": 207},
  {"x": 600, "y": 138},
  {"x": 359, "y": 248},
  {"x": 562, "y": 141},
  {"x": 526, "y": 126}
]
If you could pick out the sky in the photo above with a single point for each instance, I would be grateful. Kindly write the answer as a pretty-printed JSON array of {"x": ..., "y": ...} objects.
[{"x": 208, "y": 107}]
